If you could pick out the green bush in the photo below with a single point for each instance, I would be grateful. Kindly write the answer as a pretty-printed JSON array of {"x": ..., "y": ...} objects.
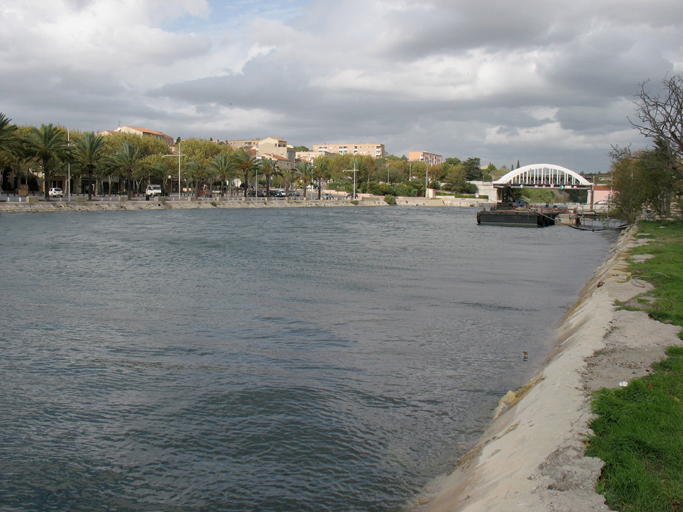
[{"x": 389, "y": 199}]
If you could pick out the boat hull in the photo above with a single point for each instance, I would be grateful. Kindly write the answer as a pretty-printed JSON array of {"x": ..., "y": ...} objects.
[{"x": 516, "y": 218}]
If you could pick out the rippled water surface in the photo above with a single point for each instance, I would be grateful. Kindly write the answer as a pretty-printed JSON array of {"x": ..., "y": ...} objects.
[{"x": 331, "y": 359}]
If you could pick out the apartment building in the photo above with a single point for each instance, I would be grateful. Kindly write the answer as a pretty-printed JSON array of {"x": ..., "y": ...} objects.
[
  {"x": 423, "y": 156},
  {"x": 242, "y": 143},
  {"x": 275, "y": 146},
  {"x": 374, "y": 150},
  {"x": 310, "y": 156}
]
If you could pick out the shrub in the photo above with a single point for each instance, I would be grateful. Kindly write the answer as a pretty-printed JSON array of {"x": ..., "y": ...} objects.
[{"x": 389, "y": 199}]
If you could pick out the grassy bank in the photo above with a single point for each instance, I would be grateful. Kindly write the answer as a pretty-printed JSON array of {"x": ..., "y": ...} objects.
[{"x": 639, "y": 428}]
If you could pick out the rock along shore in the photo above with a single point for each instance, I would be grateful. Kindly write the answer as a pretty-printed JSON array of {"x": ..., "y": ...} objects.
[
  {"x": 123, "y": 205},
  {"x": 531, "y": 456}
]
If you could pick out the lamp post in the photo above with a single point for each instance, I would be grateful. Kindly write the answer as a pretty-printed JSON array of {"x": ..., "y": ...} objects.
[
  {"x": 426, "y": 178},
  {"x": 179, "y": 155},
  {"x": 354, "y": 171},
  {"x": 68, "y": 170}
]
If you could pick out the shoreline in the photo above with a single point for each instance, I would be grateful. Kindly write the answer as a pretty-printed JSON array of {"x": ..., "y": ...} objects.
[
  {"x": 194, "y": 204},
  {"x": 530, "y": 458}
]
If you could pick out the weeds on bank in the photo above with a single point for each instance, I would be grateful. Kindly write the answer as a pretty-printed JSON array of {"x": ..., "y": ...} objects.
[{"x": 638, "y": 431}]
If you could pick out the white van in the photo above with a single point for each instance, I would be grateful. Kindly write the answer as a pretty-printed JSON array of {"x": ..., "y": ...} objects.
[{"x": 152, "y": 191}]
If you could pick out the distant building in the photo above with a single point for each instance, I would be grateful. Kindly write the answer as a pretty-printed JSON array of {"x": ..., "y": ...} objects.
[
  {"x": 243, "y": 143},
  {"x": 275, "y": 146},
  {"x": 310, "y": 156},
  {"x": 142, "y": 132},
  {"x": 270, "y": 147},
  {"x": 373, "y": 150},
  {"x": 423, "y": 156}
]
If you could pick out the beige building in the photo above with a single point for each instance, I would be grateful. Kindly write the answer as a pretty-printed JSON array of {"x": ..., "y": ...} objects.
[
  {"x": 274, "y": 146},
  {"x": 423, "y": 156},
  {"x": 374, "y": 150},
  {"x": 310, "y": 156},
  {"x": 142, "y": 132},
  {"x": 243, "y": 143}
]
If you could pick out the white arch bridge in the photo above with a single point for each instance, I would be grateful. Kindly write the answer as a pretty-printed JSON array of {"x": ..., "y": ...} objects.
[{"x": 543, "y": 176}]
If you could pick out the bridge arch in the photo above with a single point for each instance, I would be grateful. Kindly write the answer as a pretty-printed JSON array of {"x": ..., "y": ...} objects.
[{"x": 543, "y": 176}]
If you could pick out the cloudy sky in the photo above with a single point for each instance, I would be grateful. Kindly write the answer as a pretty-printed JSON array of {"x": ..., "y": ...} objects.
[{"x": 530, "y": 80}]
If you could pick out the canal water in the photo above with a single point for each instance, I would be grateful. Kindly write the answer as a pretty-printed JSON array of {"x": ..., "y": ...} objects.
[{"x": 294, "y": 359}]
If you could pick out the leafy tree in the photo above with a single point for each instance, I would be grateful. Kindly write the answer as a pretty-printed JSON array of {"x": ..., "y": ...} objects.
[
  {"x": 628, "y": 193},
  {"x": 301, "y": 148},
  {"x": 473, "y": 169},
  {"x": 418, "y": 170},
  {"x": 48, "y": 145},
  {"x": 149, "y": 146},
  {"x": 660, "y": 116},
  {"x": 200, "y": 150},
  {"x": 645, "y": 178},
  {"x": 456, "y": 179},
  {"x": 89, "y": 153}
]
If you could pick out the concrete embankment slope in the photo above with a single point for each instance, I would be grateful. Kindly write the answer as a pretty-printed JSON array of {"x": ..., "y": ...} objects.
[{"x": 531, "y": 457}]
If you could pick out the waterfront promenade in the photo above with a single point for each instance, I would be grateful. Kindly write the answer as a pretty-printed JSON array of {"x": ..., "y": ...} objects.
[{"x": 116, "y": 204}]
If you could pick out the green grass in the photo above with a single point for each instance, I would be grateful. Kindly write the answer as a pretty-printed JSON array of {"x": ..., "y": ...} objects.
[
  {"x": 664, "y": 271},
  {"x": 639, "y": 435},
  {"x": 638, "y": 431}
]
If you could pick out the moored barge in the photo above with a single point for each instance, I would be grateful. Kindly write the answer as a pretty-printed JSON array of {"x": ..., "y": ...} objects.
[{"x": 523, "y": 217}]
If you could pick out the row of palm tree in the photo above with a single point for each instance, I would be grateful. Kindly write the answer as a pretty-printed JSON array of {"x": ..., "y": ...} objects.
[{"x": 203, "y": 163}]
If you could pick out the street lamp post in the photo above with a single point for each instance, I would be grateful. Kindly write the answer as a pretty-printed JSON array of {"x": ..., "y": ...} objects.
[
  {"x": 68, "y": 170},
  {"x": 426, "y": 178},
  {"x": 354, "y": 171},
  {"x": 179, "y": 155}
]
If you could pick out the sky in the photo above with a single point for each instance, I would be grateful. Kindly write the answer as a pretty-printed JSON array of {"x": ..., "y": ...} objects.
[{"x": 532, "y": 81}]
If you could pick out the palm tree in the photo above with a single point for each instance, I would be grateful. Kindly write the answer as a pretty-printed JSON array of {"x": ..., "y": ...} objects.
[
  {"x": 321, "y": 171},
  {"x": 244, "y": 163},
  {"x": 197, "y": 173},
  {"x": 48, "y": 144},
  {"x": 269, "y": 169},
  {"x": 127, "y": 159},
  {"x": 220, "y": 164},
  {"x": 288, "y": 177},
  {"x": 8, "y": 134},
  {"x": 89, "y": 154},
  {"x": 305, "y": 171}
]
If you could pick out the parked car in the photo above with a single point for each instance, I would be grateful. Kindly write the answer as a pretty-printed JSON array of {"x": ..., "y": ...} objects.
[
  {"x": 603, "y": 202},
  {"x": 328, "y": 196},
  {"x": 152, "y": 191},
  {"x": 55, "y": 192}
]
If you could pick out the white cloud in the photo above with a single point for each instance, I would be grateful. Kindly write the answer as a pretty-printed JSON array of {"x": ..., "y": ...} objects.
[{"x": 485, "y": 79}]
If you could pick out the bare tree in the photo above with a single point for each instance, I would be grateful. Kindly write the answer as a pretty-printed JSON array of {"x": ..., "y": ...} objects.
[{"x": 660, "y": 116}]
